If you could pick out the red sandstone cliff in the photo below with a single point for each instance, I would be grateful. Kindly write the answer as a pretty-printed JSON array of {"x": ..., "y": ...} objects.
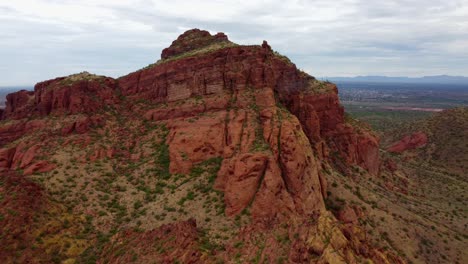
[
  {"x": 251, "y": 79},
  {"x": 79, "y": 93},
  {"x": 239, "y": 68},
  {"x": 275, "y": 127}
]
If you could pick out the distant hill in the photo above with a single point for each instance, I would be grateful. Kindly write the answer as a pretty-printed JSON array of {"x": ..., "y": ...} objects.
[
  {"x": 447, "y": 132},
  {"x": 385, "y": 79}
]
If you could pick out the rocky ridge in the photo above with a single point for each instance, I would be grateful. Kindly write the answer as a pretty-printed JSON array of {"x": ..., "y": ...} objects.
[{"x": 276, "y": 130}]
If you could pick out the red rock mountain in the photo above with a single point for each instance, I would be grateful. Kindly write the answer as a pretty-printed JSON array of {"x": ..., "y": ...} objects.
[{"x": 277, "y": 131}]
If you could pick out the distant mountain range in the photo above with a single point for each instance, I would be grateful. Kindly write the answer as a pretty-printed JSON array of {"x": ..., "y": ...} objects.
[
  {"x": 447, "y": 79},
  {"x": 443, "y": 79},
  {"x": 16, "y": 88}
]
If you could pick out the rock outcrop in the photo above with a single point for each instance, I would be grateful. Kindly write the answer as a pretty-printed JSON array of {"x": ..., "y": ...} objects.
[
  {"x": 18, "y": 103},
  {"x": 79, "y": 93},
  {"x": 192, "y": 40},
  {"x": 14, "y": 129},
  {"x": 23, "y": 156},
  {"x": 413, "y": 141},
  {"x": 323, "y": 120}
]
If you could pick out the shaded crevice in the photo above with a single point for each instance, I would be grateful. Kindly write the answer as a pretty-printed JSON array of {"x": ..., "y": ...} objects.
[
  {"x": 224, "y": 70},
  {"x": 204, "y": 92},
  {"x": 321, "y": 185},
  {"x": 138, "y": 82},
  {"x": 280, "y": 163},
  {"x": 242, "y": 132},
  {"x": 248, "y": 83},
  {"x": 259, "y": 184},
  {"x": 165, "y": 87},
  {"x": 226, "y": 123}
]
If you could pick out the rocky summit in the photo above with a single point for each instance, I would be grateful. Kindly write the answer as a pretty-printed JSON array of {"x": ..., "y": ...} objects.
[{"x": 216, "y": 153}]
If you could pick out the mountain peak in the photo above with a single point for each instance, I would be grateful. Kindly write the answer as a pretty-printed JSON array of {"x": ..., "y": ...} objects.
[
  {"x": 191, "y": 40},
  {"x": 234, "y": 136}
]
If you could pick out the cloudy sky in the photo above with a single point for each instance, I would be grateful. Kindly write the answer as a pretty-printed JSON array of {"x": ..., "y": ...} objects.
[{"x": 43, "y": 39}]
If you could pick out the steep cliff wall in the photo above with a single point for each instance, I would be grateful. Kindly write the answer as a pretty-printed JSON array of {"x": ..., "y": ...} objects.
[
  {"x": 275, "y": 126},
  {"x": 239, "y": 68},
  {"x": 272, "y": 131}
]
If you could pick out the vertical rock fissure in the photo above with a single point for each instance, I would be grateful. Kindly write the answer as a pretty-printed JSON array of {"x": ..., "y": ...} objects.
[
  {"x": 260, "y": 181},
  {"x": 321, "y": 185},
  {"x": 138, "y": 82},
  {"x": 204, "y": 86},
  {"x": 242, "y": 133},
  {"x": 227, "y": 119},
  {"x": 280, "y": 163},
  {"x": 224, "y": 70}
]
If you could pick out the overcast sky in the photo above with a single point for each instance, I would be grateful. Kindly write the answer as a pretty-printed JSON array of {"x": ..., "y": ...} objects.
[{"x": 43, "y": 39}]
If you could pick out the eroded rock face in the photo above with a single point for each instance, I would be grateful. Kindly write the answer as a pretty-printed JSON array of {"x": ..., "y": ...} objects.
[
  {"x": 84, "y": 95},
  {"x": 413, "y": 141},
  {"x": 268, "y": 162},
  {"x": 15, "y": 129},
  {"x": 6, "y": 157},
  {"x": 269, "y": 154},
  {"x": 323, "y": 120},
  {"x": 18, "y": 104},
  {"x": 81, "y": 125},
  {"x": 236, "y": 69},
  {"x": 219, "y": 72},
  {"x": 213, "y": 72},
  {"x": 79, "y": 93},
  {"x": 23, "y": 156},
  {"x": 274, "y": 127}
]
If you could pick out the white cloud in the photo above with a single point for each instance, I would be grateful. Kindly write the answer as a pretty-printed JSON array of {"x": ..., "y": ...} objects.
[{"x": 47, "y": 38}]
